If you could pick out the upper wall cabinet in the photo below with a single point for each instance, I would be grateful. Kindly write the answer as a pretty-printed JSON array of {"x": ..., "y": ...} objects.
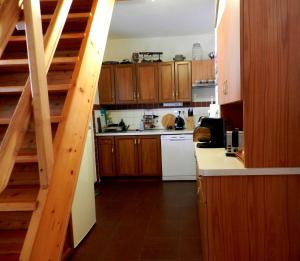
[
  {"x": 147, "y": 83},
  {"x": 183, "y": 81},
  {"x": 174, "y": 81},
  {"x": 166, "y": 82},
  {"x": 106, "y": 85},
  {"x": 125, "y": 84},
  {"x": 228, "y": 49},
  {"x": 203, "y": 70}
]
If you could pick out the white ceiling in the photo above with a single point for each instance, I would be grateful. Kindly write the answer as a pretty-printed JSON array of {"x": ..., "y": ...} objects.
[{"x": 148, "y": 18}]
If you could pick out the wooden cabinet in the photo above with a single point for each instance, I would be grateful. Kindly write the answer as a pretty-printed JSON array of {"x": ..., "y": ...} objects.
[
  {"x": 149, "y": 155},
  {"x": 125, "y": 84},
  {"x": 166, "y": 82},
  {"x": 147, "y": 83},
  {"x": 258, "y": 64},
  {"x": 106, "y": 85},
  {"x": 129, "y": 156},
  {"x": 106, "y": 156},
  {"x": 126, "y": 156},
  {"x": 203, "y": 70},
  {"x": 250, "y": 217},
  {"x": 174, "y": 81},
  {"x": 228, "y": 46},
  {"x": 183, "y": 81}
]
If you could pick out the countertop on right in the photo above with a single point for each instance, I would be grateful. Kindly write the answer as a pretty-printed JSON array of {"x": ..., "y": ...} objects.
[{"x": 213, "y": 162}]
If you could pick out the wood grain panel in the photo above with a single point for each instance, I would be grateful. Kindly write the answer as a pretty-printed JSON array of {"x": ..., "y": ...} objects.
[
  {"x": 125, "y": 84},
  {"x": 126, "y": 155},
  {"x": 203, "y": 70},
  {"x": 106, "y": 156},
  {"x": 271, "y": 72},
  {"x": 166, "y": 82},
  {"x": 293, "y": 208},
  {"x": 276, "y": 219},
  {"x": 252, "y": 218},
  {"x": 149, "y": 155},
  {"x": 183, "y": 81},
  {"x": 228, "y": 53},
  {"x": 147, "y": 85},
  {"x": 106, "y": 85}
]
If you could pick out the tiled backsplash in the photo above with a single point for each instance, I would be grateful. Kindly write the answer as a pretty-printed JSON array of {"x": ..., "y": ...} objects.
[{"x": 133, "y": 117}]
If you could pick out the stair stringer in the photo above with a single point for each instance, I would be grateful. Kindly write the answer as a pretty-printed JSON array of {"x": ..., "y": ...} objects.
[{"x": 71, "y": 135}]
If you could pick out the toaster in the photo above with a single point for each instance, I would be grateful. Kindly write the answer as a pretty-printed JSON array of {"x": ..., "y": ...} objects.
[{"x": 234, "y": 142}]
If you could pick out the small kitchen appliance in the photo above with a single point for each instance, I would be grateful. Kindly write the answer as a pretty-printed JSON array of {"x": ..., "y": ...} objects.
[
  {"x": 179, "y": 122},
  {"x": 213, "y": 127},
  {"x": 149, "y": 121},
  {"x": 234, "y": 142}
]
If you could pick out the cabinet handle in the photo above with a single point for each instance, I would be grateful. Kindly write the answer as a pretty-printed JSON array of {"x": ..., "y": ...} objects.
[
  {"x": 134, "y": 95},
  {"x": 112, "y": 150},
  {"x": 177, "y": 93},
  {"x": 173, "y": 94},
  {"x": 134, "y": 141},
  {"x": 138, "y": 95},
  {"x": 139, "y": 141},
  {"x": 225, "y": 87}
]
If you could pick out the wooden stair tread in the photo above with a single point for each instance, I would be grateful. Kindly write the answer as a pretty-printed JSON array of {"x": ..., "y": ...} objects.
[
  {"x": 53, "y": 119},
  {"x": 19, "y": 198},
  {"x": 22, "y": 62},
  {"x": 27, "y": 158},
  {"x": 19, "y": 89},
  {"x": 11, "y": 242},
  {"x": 22, "y": 38},
  {"x": 71, "y": 16}
]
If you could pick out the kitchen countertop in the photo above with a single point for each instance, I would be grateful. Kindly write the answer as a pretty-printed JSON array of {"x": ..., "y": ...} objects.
[
  {"x": 213, "y": 162},
  {"x": 145, "y": 132}
]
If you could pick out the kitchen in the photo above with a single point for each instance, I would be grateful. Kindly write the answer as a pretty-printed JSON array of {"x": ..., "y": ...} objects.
[{"x": 265, "y": 173}]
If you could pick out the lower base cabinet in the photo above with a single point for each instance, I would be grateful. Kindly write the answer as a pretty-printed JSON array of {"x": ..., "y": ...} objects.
[
  {"x": 129, "y": 156},
  {"x": 249, "y": 217}
]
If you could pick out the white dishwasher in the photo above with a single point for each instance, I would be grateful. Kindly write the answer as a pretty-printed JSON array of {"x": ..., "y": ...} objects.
[{"x": 178, "y": 161}]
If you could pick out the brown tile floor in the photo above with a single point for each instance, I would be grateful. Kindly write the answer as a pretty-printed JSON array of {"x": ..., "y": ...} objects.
[{"x": 144, "y": 221}]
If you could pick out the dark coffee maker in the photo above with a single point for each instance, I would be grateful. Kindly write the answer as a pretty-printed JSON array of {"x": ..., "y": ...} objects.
[{"x": 215, "y": 129}]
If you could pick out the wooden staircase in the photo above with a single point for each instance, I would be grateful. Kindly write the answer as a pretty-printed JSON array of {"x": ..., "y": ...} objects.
[{"x": 44, "y": 115}]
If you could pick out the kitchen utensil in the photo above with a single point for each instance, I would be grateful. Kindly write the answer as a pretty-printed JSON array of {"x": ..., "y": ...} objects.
[
  {"x": 190, "y": 113},
  {"x": 168, "y": 121},
  {"x": 190, "y": 123}
]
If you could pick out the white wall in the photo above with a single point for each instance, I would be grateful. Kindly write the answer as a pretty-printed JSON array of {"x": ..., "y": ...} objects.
[{"x": 119, "y": 49}]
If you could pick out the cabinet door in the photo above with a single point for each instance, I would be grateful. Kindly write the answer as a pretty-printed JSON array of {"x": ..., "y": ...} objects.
[
  {"x": 126, "y": 155},
  {"x": 228, "y": 42},
  {"x": 106, "y": 85},
  {"x": 203, "y": 70},
  {"x": 106, "y": 156},
  {"x": 202, "y": 210},
  {"x": 183, "y": 81},
  {"x": 149, "y": 155},
  {"x": 147, "y": 87},
  {"x": 125, "y": 84},
  {"x": 166, "y": 83}
]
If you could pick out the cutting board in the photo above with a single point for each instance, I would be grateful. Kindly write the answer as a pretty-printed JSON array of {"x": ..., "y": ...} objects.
[{"x": 168, "y": 120}]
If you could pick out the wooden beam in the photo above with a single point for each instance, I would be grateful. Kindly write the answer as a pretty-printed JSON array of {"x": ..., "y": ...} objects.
[
  {"x": 9, "y": 16},
  {"x": 39, "y": 89},
  {"x": 51, "y": 40},
  {"x": 71, "y": 135}
]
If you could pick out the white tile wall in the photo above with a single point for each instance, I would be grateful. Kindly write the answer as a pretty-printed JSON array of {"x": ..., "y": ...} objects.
[{"x": 133, "y": 117}]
